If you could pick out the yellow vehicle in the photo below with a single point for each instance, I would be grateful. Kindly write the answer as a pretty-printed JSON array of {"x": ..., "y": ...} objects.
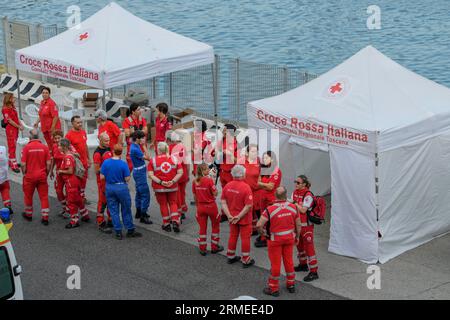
[{"x": 10, "y": 284}]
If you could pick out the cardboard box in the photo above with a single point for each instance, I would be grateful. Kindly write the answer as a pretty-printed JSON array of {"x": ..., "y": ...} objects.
[{"x": 183, "y": 125}]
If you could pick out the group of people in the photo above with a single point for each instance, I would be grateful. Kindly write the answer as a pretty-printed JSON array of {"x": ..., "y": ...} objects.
[{"x": 252, "y": 199}]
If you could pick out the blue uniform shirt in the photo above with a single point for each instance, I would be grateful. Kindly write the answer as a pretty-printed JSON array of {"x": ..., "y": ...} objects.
[
  {"x": 115, "y": 171},
  {"x": 136, "y": 155}
]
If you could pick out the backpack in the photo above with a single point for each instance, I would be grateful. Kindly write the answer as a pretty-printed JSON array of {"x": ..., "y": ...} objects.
[
  {"x": 316, "y": 214},
  {"x": 80, "y": 171}
]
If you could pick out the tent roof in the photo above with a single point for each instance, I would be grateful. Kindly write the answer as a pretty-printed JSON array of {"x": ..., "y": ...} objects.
[
  {"x": 122, "y": 47},
  {"x": 368, "y": 91}
]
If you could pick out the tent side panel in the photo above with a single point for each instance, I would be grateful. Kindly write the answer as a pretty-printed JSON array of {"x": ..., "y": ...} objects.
[
  {"x": 414, "y": 195},
  {"x": 353, "y": 213}
]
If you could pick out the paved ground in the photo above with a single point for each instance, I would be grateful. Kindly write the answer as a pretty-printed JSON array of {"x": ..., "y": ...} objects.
[
  {"x": 152, "y": 267},
  {"x": 422, "y": 273}
]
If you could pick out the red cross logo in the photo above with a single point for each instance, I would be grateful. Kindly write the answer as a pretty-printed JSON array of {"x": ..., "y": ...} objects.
[
  {"x": 336, "y": 88},
  {"x": 166, "y": 167},
  {"x": 84, "y": 36}
]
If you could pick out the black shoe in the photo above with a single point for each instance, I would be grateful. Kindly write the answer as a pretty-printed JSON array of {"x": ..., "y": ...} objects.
[
  {"x": 301, "y": 268},
  {"x": 134, "y": 234},
  {"x": 233, "y": 260},
  {"x": 167, "y": 228},
  {"x": 249, "y": 264},
  {"x": 44, "y": 222},
  {"x": 176, "y": 227},
  {"x": 311, "y": 277},
  {"x": 11, "y": 212},
  {"x": 291, "y": 289},
  {"x": 24, "y": 215},
  {"x": 203, "y": 253},
  {"x": 260, "y": 243},
  {"x": 145, "y": 220},
  {"x": 219, "y": 249},
  {"x": 118, "y": 236},
  {"x": 71, "y": 226},
  {"x": 104, "y": 228},
  {"x": 138, "y": 214},
  {"x": 270, "y": 293}
]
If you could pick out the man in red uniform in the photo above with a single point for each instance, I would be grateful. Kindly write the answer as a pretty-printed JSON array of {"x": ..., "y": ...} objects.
[
  {"x": 75, "y": 202},
  {"x": 165, "y": 171},
  {"x": 237, "y": 201},
  {"x": 162, "y": 124},
  {"x": 303, "y": 199},
  {"x": 36, "y": 163},
  {"x": 133, "y": 122},
  {"x": 252, "y": 173},
  {"x": 78, "y": 138},
  {"x": 57, "y": 159},
  {"x": 284, "y": 231},
  {"x": 177, "y": 150},
  {"x": 102, "y": 153},
  {"x": 104, "y": 125}
]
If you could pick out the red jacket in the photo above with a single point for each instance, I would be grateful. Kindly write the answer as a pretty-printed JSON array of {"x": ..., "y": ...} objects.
[{"x": 164, "y": 168}]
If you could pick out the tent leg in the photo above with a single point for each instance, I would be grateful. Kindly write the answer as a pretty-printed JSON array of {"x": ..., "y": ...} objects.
[
  {"x": 18, "y": 94},
  {"x": 214, "y": 88},
  {"x": 104, "y": 100}
]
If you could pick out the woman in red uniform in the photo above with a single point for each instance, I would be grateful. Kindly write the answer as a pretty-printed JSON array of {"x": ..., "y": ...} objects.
[
  {"x": 205, "y": 192},
  {"x": 252, "y": 173},
  {"x": 162, "y": 124},
  {"x": 133, "y": 122},
  {"x": 269, "y": 181},
  {"x": 177, "y": 150},
  {"x": 48, "y": 117},
  {"x": 13, "y": 125}
]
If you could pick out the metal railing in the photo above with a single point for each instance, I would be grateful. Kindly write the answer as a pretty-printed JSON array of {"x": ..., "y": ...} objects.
[{"x": 237, "y": 81}]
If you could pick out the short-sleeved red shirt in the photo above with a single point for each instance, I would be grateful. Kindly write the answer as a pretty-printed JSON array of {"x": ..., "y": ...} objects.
[
  {"x": 35, "y": 155},
  {"x": 112, "y": 130},
  {"x": 78, "y": 139},
  {"x": 204, "y": 190},
  {"x": 10, "y": 113},
  {"x": 69, "y": 162},
  {"x": 47, "y": 111},
  {"x": 238, "y": 194},
  {"x": 274, "y": 178},
  {"x": 161, "y": 127},
  {"x": 58, "y": 156},
  {"x": 252, "y": 172},
  {"x": 100, "y": 155}
]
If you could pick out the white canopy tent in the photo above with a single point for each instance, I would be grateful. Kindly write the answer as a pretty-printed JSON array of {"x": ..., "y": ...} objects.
[
  {"x": 111, "y": 48},
  {"x": 378, "y": 136}
]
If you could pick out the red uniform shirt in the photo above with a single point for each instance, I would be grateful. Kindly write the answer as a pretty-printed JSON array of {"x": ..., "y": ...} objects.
[
  {"x": 252, "y": 172},
  {"x": 204, "y": 190},
  {"x": 179, "y": 152},
  {"x": 282, "y": 216},
  {"x": 47, "y": 111},
  {"x": 230, "y": 147},
  {"x": 112, "y": 130},
  {"x": 69, "y": 162},
  {"x": 238, "y": 194},
  {"x": 274, "y": 178},
  {"x": 165, "y": 168},
  {"x": 10, "y": 113},
  {"x": 138, "y": 124},
  {"x": 78, "y": 139},
  {"x": 100, "y": 155},
  {"x": 35, "y": 155},
  {"x": 203, "y": 151},
  {"x": 299, "y": 195},
  {"x": 161, "y": 127}
]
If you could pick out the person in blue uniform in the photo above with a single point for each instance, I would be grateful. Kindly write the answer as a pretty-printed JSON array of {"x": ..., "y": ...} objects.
[
  {"x": 116, "y": 173},
  {"x": 138, "y": 155}
]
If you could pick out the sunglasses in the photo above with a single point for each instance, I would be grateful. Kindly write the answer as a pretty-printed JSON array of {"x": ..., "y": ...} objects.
[{"x": 298, "y": 182}]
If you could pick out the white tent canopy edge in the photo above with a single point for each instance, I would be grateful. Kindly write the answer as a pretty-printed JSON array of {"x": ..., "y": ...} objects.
[{"x": 374, "y": 117}]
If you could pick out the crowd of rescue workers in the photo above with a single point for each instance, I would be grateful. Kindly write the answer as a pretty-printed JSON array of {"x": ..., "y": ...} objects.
[{"x": 252, "y": 200}]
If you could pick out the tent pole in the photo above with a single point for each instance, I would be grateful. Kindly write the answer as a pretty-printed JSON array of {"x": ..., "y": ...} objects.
[
  {"x": 104, "y": 100},
  {"x": 214, "y": 76},
  {"x": 18, "y": 94}
]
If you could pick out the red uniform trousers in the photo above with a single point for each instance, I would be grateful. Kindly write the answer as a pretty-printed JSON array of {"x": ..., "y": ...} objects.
[
  {"x": 205, "y": 211},
  {"x": 59, "y": 189},
  {"x": 245, "y": 232},
  {"x": 49, "y": 140},
  {"x": 168, "y": 200},
  {"x": 4, "y": 190},
  {"x": 11, "y": 139},
  {"x": 101, "y": 205},
  {"x": 29, "y": 185},
  {"x": 75, "y": 202},
  {"x": 182, "y": 206},
  {"x": 305, "y": 247},
  {"x": 277, "y": 250}
]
